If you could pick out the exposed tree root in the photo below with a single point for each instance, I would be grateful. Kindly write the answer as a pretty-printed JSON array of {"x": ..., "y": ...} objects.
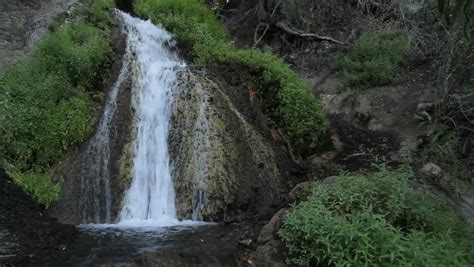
[{"x": 288, "y": 29}]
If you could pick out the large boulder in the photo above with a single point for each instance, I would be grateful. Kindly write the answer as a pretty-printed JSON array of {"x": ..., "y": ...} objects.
[{"x": 223, "y": 167}]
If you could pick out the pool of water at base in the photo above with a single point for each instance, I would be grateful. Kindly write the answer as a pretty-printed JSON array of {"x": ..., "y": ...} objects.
[{"x": 184, "y": 245}]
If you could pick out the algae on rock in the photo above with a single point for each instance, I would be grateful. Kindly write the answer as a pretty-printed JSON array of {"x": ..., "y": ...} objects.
[{"x": 222, "y": 166}]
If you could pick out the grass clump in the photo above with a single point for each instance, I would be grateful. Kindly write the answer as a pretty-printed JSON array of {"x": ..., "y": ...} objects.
[
  {"x": 375, "y": 220},
  {"x": 286, "y": 98},
  {"x": 45, "y": 103},
  {"x": 374, "y": 58}
]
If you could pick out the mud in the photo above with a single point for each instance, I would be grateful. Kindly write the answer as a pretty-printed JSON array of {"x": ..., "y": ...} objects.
[{"x": 27, "y": 234}]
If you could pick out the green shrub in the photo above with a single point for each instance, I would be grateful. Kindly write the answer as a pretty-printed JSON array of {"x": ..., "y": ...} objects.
[
  {"x": 373, "y": 59},
  {"x": 38, "y": 187},
  {"x": 96, "y": 13},
  {"x": 79, "y": 49},
  {"x": 286, "y": 98},
  {"x": 45, "y": 102},
  {"x": 427, "y": 213},
  {"x": 358, "y": 222}
]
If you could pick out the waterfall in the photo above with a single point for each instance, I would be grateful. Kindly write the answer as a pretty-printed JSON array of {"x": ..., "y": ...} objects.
[
  {"x": 151, "y": 196},
  {"x": 200, "y": 155},
  {"x": 96, "y": 196}
]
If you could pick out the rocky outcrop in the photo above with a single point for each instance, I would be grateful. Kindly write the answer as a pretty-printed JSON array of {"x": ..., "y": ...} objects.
[
  {"x": 23, "y": 23},
  {"x": 270, "y": 248},
  {"x": 76, "y": 169},
  {"x": 223, "y": 167}
]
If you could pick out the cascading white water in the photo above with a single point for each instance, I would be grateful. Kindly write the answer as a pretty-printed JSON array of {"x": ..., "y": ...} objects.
[
  {"x": 200, "y": 155},
  {"x": 96, "y": 196},
  {"x": 151, "y": 197}
]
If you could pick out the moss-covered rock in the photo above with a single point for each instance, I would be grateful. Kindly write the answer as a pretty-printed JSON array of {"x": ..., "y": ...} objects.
[{"x": 221, "y": 163}]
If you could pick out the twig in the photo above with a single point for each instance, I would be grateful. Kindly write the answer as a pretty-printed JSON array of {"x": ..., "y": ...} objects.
[
  {"x": 284, "y": 26},
  {"x": 257, "y": 40}
]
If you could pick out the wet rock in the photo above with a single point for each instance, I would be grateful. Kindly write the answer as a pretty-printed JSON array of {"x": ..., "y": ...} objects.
[
  {"x": 270, "y": 229},
  {"x": 269, "y": 255},
  {"x": 223, "y": 167},
  {"x": 431, "y": 170},
  {"x": 269, "y": 252},
  {"x": 300, "y": 192},
  {"x": 247, "y": 243},
  {"x": 76, "y": 166},
  {"x": 165, "y": 259}
]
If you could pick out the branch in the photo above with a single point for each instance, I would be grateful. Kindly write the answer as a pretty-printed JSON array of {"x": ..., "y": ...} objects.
[
  {"x": 258, "y": 39},
  {"x": 267, "y": 26},
  {"x": 284, "y": 26}
]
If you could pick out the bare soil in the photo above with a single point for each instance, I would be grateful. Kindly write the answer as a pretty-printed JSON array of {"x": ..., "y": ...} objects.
[{"x": 27, "y": 233}]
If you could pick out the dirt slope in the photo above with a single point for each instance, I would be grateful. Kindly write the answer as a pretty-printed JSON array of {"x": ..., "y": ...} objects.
[{"x": 27, "y": 234}]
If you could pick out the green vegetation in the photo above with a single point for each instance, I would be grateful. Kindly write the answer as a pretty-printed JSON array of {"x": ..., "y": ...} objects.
[
  {"x": 376, "y": 220},
  {"x": 453, "y": 9},
  {"x": 45, "y": 101},
  {"x": 373, "y": 59},
  {"x": 286, "y": 98}
]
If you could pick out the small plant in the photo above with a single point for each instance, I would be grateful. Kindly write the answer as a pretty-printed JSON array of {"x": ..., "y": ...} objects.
[
  {"x": 373, "y": 60},
  {"x": 38, "y": 187},
  {"x": 375, "y": 220}
]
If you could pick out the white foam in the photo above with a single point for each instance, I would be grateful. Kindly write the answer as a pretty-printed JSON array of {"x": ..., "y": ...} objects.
[{"x": 150, "y": 201}]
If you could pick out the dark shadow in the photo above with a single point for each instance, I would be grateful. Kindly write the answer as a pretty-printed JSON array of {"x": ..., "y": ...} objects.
[{"x": 125, "y": 5}]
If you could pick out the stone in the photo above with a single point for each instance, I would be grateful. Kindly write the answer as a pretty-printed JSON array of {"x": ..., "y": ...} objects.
[
  {"x": 298, "y": 193},
  {"x": 431, "y": 170},
  {"x": 330, "y": 180},
  {"x": 269, "y": 230},
  {"x": 247, "y": 243},
  {"x": 269, "y": 255}
]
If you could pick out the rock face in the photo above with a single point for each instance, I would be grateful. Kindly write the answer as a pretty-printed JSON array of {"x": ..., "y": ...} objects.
[
  {"x": 76, "y": 167},
  {"x": 223, "y": 167},
  {"x": 23, "y": 23}
]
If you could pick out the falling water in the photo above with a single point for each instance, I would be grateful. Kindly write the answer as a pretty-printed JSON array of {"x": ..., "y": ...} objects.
[
  {"x": 200, "y": 155},
  {"x": 151, "y": 196},
  {"x": 96, "y": 196}
]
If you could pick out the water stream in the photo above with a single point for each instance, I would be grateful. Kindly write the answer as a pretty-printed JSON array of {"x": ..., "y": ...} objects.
[
  {"x": 151, "y": 196},
  {"x": 96, "y": 196}
]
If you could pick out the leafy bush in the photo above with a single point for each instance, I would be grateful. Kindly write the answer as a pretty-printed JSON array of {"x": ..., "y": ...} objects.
[
  {"x": 373, "y": 59},
  {"x": 34, "y": 184},
  {"x": 375, "y": 220},
  {"x": 287, "y": 99},
  {"x": 45, "y": 105},
  {"x": 97, "y": 12}
]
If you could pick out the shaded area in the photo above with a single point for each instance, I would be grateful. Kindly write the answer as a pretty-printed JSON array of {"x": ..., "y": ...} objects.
[
  {"x": 125, "y": 5},
  {"x": 205, "y": 245},
  {"x": 362, "y": 147},
  {"x": 27, "y": 234}
]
